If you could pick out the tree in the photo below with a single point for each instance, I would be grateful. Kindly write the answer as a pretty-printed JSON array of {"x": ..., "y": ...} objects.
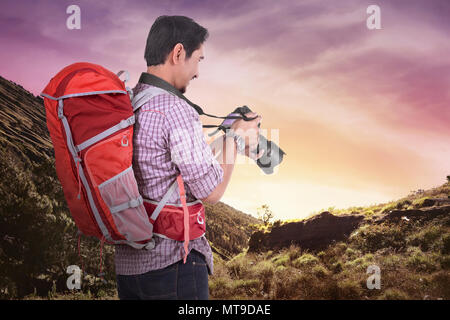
[{"x": 265, "y": 214}]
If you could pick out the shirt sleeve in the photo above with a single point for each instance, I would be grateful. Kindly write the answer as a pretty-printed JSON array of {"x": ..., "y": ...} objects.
[{"x": 189, "y": 151}]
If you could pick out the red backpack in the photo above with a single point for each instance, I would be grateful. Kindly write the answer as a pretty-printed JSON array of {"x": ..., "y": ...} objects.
[{"x": 90, "y": 120}]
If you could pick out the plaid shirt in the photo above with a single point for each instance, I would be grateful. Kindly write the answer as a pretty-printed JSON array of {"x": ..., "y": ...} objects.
[{"x": 168, "y": 140}]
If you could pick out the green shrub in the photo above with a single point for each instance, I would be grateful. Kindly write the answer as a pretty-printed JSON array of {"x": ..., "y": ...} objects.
[
  {"x": 264, "y": 270},
  {"x": 427, "y": 239},
  {"x": 281, "y": 260},
  {"x": 279, "y": 269},
  {"x": 249, "y": 287},
  {"x": 321, "y": 255},
  {"x": 349, "y": 289},
  {"x": 306, "y": 260},
  {"x": 368, "y": 213},
  {"x": 421, "y": 202},
  {"x": 392, "y": 261},
  {"x": 431, "y": 235},
  {"x": 309, "y": 287},
  {"x": 378, "y": 237},
  {"x": 389, "y": 207},
  {"x": 286, "y": 284},
  {"x": 393, "y": 294},
  {"x": 220, "y": 287},
  {"x": 294, "y": 252},
  {"x": 368, "y": 257},
  {"x": 402, "y": 204},
  {"x": 320, "y": 271},
  {"x": 358, "y": 263},
  {"x": 238, "y": 266},
  {"x": 340, "y": 248},
  {"x": 350, "y": 252},
  {"x": 419, "y": 261}
]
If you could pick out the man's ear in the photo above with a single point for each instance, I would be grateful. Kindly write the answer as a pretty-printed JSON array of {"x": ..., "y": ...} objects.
[{"x": 179, "y": 53}]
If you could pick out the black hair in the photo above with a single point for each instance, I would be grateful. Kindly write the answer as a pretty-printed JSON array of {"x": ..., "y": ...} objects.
[{"x": 166, "y": 32}]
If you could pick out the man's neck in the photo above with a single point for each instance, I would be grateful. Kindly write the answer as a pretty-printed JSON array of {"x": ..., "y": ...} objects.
[
  {"x": 160, "y": 72},
  {"x": 154, "y": 80}
]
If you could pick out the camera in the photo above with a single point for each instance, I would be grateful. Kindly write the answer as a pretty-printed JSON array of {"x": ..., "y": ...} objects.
[{"x": 273, "y": 154}]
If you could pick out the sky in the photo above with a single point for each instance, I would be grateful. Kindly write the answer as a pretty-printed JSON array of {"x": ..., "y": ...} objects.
[{"x": 361, "y": 113}]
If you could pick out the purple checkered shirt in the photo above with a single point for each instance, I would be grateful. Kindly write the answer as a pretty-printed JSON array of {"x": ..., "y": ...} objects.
[{"x": 165, "y": 128}]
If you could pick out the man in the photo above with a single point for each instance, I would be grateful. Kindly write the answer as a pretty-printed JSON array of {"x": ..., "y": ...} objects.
[{"x": 163, "y": 125}]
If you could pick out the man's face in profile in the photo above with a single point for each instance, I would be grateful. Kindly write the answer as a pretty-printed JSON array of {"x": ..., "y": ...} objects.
[{"x": 189, "y": 69}]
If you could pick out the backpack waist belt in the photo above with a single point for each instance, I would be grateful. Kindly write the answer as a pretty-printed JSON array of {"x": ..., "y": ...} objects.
[{"x": 183, "y": 222}]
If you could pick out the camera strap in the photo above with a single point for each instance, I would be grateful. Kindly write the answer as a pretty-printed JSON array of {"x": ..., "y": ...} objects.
[{"x": 153, "y": 80}]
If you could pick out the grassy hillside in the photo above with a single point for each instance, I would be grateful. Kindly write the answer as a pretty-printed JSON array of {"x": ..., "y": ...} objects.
[
  {"x": 228, "y": 229},
  {"x": 408, "y": 239},
  {"x": 410, "y": 246},
  {"x": 22, "y": 125}
]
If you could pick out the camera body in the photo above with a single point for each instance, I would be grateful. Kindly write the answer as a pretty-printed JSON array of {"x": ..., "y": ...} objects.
[{"x": 273, "y": 154}]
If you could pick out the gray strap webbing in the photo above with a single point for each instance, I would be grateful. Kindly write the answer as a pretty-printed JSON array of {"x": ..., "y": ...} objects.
[
  {"x": 74, "y": 95},
  {"x": 130, "y": 204},
  {"x": 127, "y": 75},
  {"x": 163, "y": 201},
  {"x": 121, "y": 125},
  {"x": 138, "y": 101},
  {"x": 92, "y": 93},
  {"x": 142, "y": 97},
  {"x": 148, "y": 246},
  {"x": 73, "y": 152}
]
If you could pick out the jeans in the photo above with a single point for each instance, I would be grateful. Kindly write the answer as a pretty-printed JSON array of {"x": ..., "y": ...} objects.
[{"x": 178, "y": 281}]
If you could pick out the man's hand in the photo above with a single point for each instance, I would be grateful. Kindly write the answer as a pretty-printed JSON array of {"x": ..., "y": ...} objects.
[
  {"x": 252, "y": 154},
  {"x": 249, "y": 130}
]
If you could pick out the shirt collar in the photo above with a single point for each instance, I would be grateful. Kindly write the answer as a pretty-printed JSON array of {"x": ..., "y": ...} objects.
[{"x": 153, "y": 80}]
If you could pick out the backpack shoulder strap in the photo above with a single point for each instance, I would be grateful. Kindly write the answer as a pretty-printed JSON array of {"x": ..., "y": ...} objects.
[
  {"x": 163, "y": 201},
  {"x": 142, "y": 97}
]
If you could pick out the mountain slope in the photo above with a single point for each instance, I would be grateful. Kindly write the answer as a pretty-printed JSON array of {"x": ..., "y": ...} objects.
[
  {"x": 22, "y": 122},
  {"x": 228, "y": 229},
  {"x": 321, "y": 230},
  {"x": 336, "y": 255}
]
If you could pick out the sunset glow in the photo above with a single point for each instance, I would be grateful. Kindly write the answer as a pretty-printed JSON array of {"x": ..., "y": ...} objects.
[{"x": 362, "y": 114}]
